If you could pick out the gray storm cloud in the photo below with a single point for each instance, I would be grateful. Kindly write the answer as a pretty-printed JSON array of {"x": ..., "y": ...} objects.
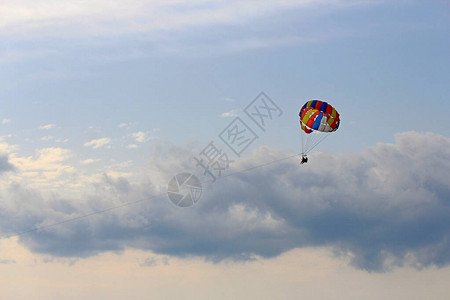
[
  {"x": 385, "y": 207},
  {"x": 5, "y": 165}
]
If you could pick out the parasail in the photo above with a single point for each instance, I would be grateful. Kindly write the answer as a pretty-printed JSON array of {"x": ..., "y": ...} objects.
[{"x": 317, "y": 120}]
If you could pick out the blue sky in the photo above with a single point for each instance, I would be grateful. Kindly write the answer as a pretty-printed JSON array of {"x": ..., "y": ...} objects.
[
  {"x": 102, "y": 102},
  {"x": 378, "y": 62}
]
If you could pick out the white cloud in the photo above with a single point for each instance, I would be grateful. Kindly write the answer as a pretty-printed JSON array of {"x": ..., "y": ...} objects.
[
  {"x": 47, "y": 138},
  {"x": 147, "y": 14},
  {"x": 6, "y": 147},
  {"x": 132, "y": 146},
  {"x": 47, "y": 127},
  {"x": 112, "y": 17},
  {"x": 231, "y": 114},
  {"x": 128, "y": 125},
  {"x": 164, "y": 25},
  {"x": 88, "y": 161},
  {"x": 98, "y": 143},
  {"x": 143, "y": 137},
  {"x": 44, "y": 167},
  {"x": 6, "y": 121},
  {"x": 140, "y": 136}
]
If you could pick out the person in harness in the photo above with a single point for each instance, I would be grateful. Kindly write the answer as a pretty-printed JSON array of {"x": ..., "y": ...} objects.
[{"x": 304, "y": 159}]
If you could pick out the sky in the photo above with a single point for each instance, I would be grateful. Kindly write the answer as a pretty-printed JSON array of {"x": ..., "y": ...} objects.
[{"x": 103, "y": 102}]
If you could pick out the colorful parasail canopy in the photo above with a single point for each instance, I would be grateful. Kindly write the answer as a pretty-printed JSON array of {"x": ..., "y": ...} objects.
[
  {"x": 317, "y": 120},
  {"x": 318, "y": 115}
]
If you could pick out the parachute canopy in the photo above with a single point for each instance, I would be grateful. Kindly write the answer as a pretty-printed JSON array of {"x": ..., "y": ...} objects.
[
  {"x": 320, "y": 116},
  {"x": 317, "y": 120}
]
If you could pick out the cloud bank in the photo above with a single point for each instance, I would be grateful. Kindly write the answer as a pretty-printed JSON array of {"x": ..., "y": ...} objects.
[{"x": 385, "y": 207}]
